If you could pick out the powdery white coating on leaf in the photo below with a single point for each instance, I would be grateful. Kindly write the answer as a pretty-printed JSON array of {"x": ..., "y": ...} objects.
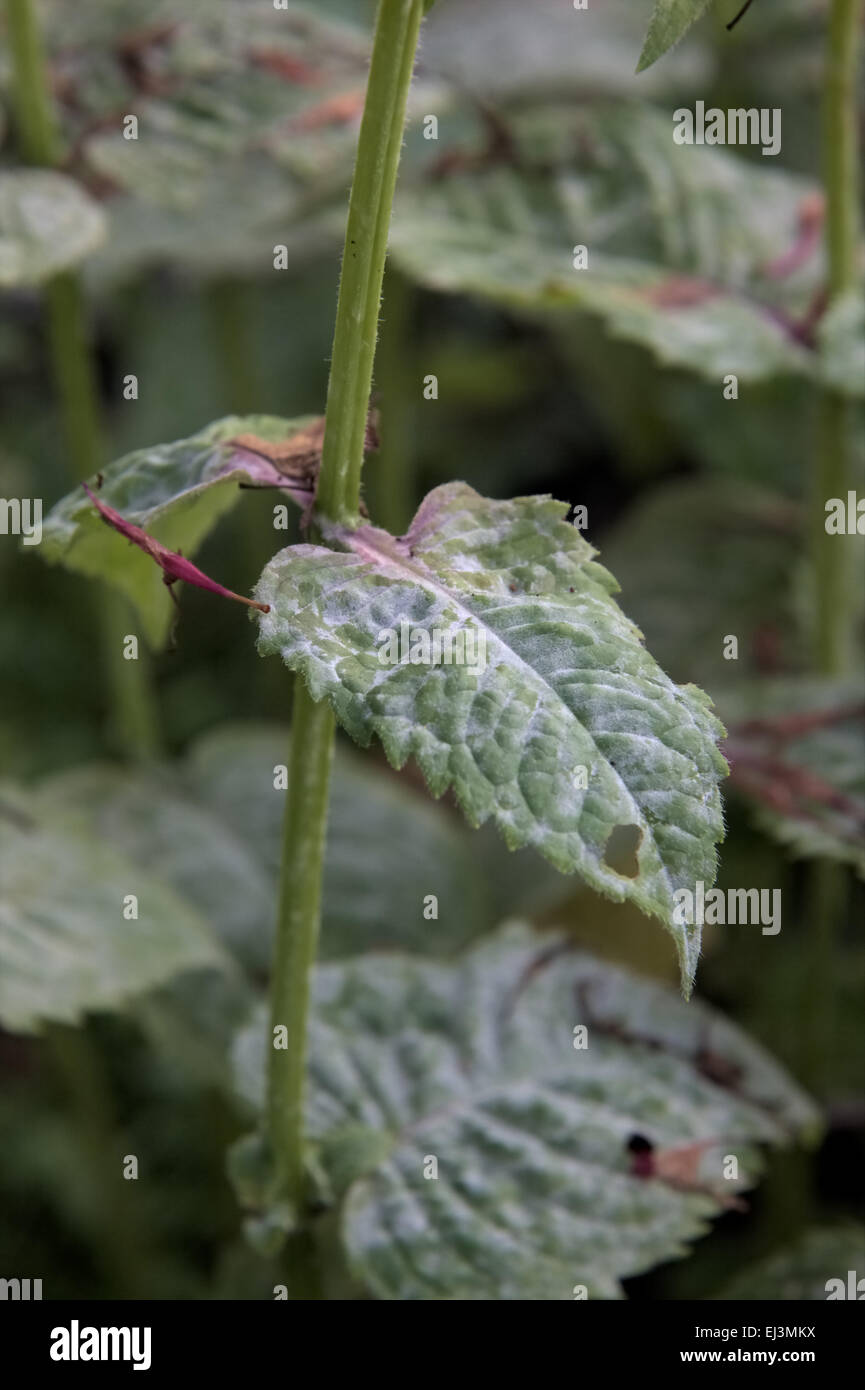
[
  {"x": 47, "y": 224},
  {"x": 680, "y": 239},
  {"x": 474, "y": 1064},
  {"x": 176, "y": 492},
  {"x": 567, "y": 684}
]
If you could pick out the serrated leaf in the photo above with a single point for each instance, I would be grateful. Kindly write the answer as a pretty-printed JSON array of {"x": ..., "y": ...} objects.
[
  {"x": 565, "y": 684},
  {"x": 749, "y": 541},
  {"x": 211, "y": 826},
  {"x": 801, "y": 1272},
  {"x": 683, "y": 242},
  {"x": 177, "y": 492},
  {"x": 506, "y": 50},
  {"x": 797, "y": 754},
  {"x": 47, "y": 224},
  {"x": 65, "y": 946},
  {"x": 474, "y": 1064},
  {"x": 671, "y": 20}
]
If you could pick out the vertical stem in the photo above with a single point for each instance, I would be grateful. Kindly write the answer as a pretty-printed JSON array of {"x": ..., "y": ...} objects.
[
  {"x": 349, "y": 386},
  {"x": 841, "y": 142},
  {"x": 37, "y": 133},
  {"x": 833, "y": 614},
  {"x": 841, "y": 177},
  {"x": 363, "y": 260},
  {"x": 297, "y": 934},
  {"x": 79, "y": 1068},
  {"x": 75, "y": 378}
]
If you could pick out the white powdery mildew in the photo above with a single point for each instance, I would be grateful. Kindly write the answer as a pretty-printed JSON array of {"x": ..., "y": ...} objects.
[
  {"x": 469, "y": 1063},
  {"x": 567, "y": 683}
]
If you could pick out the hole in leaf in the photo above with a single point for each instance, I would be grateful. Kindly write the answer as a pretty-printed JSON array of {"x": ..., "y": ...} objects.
[{"x": 620, "y": 851}]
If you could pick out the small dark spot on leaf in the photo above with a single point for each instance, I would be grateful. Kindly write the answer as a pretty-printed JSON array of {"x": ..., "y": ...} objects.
[
  {"x": 642, "y": 1153},
  {"x": 639, "y": 1144}
]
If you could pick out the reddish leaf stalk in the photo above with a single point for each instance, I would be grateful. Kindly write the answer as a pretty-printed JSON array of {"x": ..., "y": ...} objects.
[{"x": 172, "y": 564}]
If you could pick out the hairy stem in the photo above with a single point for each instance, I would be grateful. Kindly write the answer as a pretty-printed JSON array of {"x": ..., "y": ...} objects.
[
  {"x": 130, "y": 691},
  {"x": 363, "y": 260},
  {"x": 339, "y": 497},
  {"x": 297, "y": 934},
  {"x": 832, "y": 617}
]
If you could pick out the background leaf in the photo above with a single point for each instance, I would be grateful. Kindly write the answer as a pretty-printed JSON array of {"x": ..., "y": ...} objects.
[
  {"x": 211, "y": 826},
  {"x": 801, "y": 1271},
  {"x": 65, "y": 948},
  {"x": 797, "y": 752},
  {"x": 47, "y": 223},
  {"x": 474, "y": 1064},
  {"x": 749, "y": 541},
  {"x": 176, "y": 492},
  {"x": 683, "y": 242}
]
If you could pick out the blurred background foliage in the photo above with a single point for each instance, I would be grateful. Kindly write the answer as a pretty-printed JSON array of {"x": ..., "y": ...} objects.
[{"x": 697, "y": 504}]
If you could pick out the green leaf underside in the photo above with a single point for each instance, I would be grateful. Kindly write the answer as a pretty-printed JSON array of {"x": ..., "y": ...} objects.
[
  {"x": 65, "y": 947},
  {"x": 806, "y": 791},
  {"x": 671, "y": 20},
  {"x": 566, "y": 684},
  {"x": 47, "y": 224},
  {"x": 801, "y": 1271},
  {"x": 211, "y": 826},
  {"x": 177, "y": 492},
  {"x": 679, "y": 239},
  {"x": 474, "y": 1064}
]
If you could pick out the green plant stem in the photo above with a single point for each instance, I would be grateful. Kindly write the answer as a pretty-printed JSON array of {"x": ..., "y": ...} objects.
[
  {"x": 312, "y": 732},
  {"x": 369, "y": 214},
  {"x": 37, "y": 132},
  {"x": 832, "y": 616},
  {"x": 118, "y": 1239},
  {"x": 297, "y": 934},
  {"x": 129, "y": 682},
  {"x": 833, "y": 612}
]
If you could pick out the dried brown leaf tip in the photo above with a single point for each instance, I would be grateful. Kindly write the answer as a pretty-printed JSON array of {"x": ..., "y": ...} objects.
[{"x": 296, "y": 459}]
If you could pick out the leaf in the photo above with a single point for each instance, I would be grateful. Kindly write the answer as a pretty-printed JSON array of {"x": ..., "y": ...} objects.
[
  {"x": 474, "y": 1064},
  {"x": 65, "y": 947},
  {"x": 671, "y": 20},
  {"x": 47, "y": 224},
  {"x": 212, "y": 827},
  {"x": 749, "y": 541},
  {"x": 564, "y": 684},
  {"x": 506, "y": 50},
  {"x": 841, "y": 336},
  {"x": 681, "y": 241},
  {"x": 176, "y": 492},
  {"x": 247, "y": 126},
  {"x": 797, "y": 754},
  {"x": 801, "y": 1271}
]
